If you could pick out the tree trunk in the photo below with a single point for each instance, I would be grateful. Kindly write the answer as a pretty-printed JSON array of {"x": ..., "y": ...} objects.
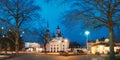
[
  {"x": 6, "y": 49},
  {"x": 17, "y": 38},
  {"x": 17, "y": 29},
  {"x": 16, "y": 46},
  {"x": 111, "y": 33},
  {"x": 111, "y": 37},
  {"x": 45, "y": 48}
]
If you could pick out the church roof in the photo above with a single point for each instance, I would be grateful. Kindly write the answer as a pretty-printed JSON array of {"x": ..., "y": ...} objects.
[
  {"x": 58, "y": 27},
  {"x": 59, "y": 35},
  {"x": 47, "y": 30}
]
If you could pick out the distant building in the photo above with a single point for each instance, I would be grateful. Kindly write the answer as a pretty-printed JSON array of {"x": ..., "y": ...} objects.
[
  {"x": 57, "y": 42},
  {"x": 74, "y": 45},
  {"x": 32, "y": 46},
  {"x": 56, "y": 46},
  {"x": 101, "y": 46}
]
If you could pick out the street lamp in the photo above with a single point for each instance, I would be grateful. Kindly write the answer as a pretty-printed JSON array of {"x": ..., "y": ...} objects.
[
  {"x": 9, "y": 30},
  {"x": 87, "y": 33},
  {"x": 3, "y": 36},
  {"x": 23, "y": 32},
  {"x": 21, "y": 35},
  {"x": 2, "y": 28}
]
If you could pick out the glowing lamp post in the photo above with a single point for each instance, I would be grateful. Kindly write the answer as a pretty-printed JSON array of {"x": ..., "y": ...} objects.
[
  {"x": 23, "y": 32},
  {"x": 2, "y": 32},
  {"x": 87, "y": 33},
  {"x": 2, "y": 28},
  {"x": 9, "y": 30},
  {"x": 21, "y": 35},
  {"x": 3, "y": 36}
]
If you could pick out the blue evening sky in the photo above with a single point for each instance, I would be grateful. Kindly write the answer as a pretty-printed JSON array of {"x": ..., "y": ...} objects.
[{"x": 53, "y": 13}]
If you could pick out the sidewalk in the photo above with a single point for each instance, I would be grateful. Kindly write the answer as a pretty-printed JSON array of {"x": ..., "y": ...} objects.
[
  {"x": 4, "y": 56},
  {"x": 47, "y": 54},
  {"x": 9, "y": 54}
]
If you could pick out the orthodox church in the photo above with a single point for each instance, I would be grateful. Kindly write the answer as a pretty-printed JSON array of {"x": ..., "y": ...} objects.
[{"x": 57, "y": 42}]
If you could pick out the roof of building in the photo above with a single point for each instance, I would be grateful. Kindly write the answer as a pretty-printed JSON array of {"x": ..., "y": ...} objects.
[
  {"x": 106, "y": 44},
  {"x": 91, "y": 40},
  {"x": 101, "y": 40}
]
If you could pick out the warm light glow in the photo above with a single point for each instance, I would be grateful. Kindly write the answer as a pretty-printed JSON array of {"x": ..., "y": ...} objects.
[
  {"x": 87, "y": 32},
  {"x": 59, "y": 41},
  {"x": 106, "y": 50},
  {"x": 106, "y": 40},
  {"x": 66, "y": 40},
  {"x": 38, "y": 49},
  {"x": 30, "y": 49},
  {"x": 93, "y": 49},
  {"x": 101, "y": 48}
]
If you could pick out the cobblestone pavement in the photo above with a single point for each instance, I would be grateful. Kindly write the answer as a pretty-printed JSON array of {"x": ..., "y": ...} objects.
[{"x": 55, "y": 57}]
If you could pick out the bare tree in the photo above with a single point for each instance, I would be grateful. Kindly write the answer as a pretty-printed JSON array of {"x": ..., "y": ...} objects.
[
  {"x": 41, "y": 34},
  {"x": 17, "y": 11},
  {"x": 43, "y": 37},
  {"x": 97, "y": 13}
]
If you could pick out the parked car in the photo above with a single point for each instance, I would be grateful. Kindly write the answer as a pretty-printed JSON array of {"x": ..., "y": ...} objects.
[{"x": 63, "y": 53}]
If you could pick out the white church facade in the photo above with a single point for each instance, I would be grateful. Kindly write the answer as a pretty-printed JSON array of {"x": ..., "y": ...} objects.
[
  {"x": 57, "y": 42},
  {"x": 56, "y": 45}
]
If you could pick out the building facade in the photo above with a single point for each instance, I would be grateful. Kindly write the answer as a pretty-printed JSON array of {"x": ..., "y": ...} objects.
[
  {"x": 32, "y": 46},
  {"x": 74, "y": 45},
  {"x": 102, "y": 47},
  {"x": 57, "y": 42}
]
